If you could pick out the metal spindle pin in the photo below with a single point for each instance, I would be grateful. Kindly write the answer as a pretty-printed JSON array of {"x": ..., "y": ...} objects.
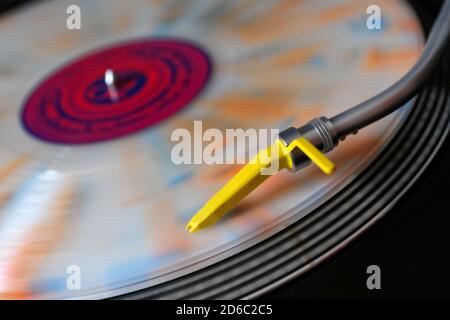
[
  {"x": 110, "y": 81},
  {"x": 109, "y": 77}
]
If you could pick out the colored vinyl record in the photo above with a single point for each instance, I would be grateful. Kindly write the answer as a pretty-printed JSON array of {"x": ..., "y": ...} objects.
[{"x": 87, "y": 182}]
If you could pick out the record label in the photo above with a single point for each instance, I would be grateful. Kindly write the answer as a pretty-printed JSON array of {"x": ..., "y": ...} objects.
[{"x": 154, "y": 79}]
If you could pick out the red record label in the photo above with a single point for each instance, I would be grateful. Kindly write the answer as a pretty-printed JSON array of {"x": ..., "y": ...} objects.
[{"x": 153, "y": 79}]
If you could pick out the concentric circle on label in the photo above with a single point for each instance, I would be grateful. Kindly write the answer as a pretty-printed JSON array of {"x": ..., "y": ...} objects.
[{"x": 153, "y": 80}]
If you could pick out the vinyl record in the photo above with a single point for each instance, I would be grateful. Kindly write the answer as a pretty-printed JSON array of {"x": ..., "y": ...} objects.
[{"x": 90, "y": 184}]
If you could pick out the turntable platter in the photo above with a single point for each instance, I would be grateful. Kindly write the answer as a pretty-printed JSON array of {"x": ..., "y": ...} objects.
[{"x": 115, "y": 205}]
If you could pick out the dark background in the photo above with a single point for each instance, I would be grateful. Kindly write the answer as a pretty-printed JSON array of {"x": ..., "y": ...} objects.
[{"x": 411, "y": 244}]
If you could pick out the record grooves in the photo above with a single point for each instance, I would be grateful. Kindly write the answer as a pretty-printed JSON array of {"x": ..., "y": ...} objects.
[{"x": 327, "y": 229}]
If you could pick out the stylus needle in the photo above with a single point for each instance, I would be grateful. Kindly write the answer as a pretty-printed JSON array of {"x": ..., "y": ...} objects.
[{"x": 258, "y": 170}]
